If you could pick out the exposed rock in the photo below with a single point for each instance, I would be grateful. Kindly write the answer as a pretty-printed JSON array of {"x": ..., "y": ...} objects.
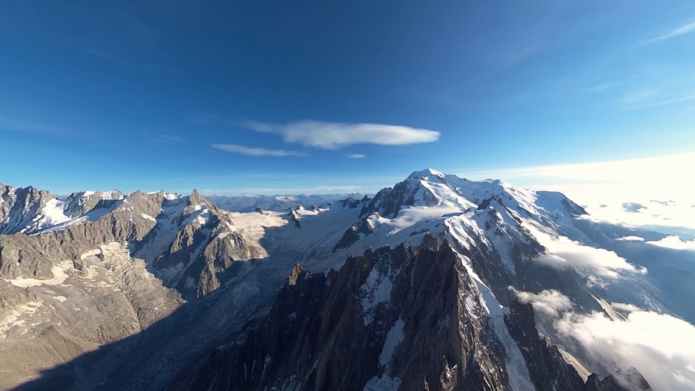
[
  {"x": 19, "y": 207},
  {"x": 352, "y": 234},
  {"x": 346, "y": 329}
]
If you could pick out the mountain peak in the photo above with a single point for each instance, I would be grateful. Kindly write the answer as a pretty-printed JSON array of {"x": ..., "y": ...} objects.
[
  {"x": 196, "y": 198},
  {"x": 425, "y": 173}
]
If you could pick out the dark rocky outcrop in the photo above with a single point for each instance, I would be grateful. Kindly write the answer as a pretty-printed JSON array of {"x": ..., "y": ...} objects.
[
  {"x": 545, "y": 363},
  {"x": 370, "y": 323},
  {"x": 352, "y": 234},
  {"x": 20, "y": 206}
]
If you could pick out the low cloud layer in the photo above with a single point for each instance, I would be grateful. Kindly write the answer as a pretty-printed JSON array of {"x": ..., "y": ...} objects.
[
  {"x": 548, "y": 302},
  {"x": 675, "y": 243},
  {"x": 333, "y": 135},
  {"x": 255, "y": 151},
  {"x": 562, "y": 252},
  {"x": 659, "y": 346},
  {"x": 665, "y": 216}
]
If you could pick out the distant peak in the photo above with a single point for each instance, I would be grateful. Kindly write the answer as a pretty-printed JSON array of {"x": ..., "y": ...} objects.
[
  {"x": 195, "y": 198},
  {"x": 425, "y": 173}
]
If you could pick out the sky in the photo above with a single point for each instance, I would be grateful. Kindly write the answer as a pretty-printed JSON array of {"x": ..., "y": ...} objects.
[{"x": 267, "y": 97}]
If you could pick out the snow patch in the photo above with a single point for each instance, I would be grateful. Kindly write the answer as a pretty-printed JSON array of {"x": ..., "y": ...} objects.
[
  {"x": 383, "y": 383},
  {"x": 53, "y": 212},
  {"x": 519, "y": 378},
  {"x": 377, "y": 289},
  {"x": 393, "y": 338},
  {"x": 59, "y": 276}
]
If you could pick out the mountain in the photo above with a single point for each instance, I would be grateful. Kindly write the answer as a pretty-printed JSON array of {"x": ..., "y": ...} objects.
[
  {"x": 436, "y": 283},
  {"x": 274, "y": 202}
]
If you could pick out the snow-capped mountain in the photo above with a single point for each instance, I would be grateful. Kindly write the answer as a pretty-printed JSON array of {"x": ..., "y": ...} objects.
[
  {"x": 436, "y": 283},
  {"x": 276, "y": 203}
]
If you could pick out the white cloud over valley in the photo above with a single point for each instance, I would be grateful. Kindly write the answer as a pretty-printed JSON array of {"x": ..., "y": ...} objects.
[
  {"x": 548, "y": 302},
  {"x": 562, "y": 252},
  {"x": 675, "y": 243},
  {"x": 659, "y": 346}
]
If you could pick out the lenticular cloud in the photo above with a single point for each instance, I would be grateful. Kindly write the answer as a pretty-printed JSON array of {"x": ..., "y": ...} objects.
[{"x": 333, "y": 135}]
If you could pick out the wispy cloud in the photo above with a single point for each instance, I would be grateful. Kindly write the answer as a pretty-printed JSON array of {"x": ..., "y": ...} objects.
[
  {"x": 675, "y": 100},
  {"x": 162, "y": 138},
  {"x": 681, "y": 30},
  {"x": 639, "y": 96},
  {"x": 355, "y": 156},
  {"x": 256, "y": 151},
  {"x": 12, "y": 124},
  {"x": 333, "y": 135}
]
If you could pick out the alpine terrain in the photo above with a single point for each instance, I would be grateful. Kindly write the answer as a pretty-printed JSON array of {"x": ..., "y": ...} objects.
[{"x": 438, "y": 283}]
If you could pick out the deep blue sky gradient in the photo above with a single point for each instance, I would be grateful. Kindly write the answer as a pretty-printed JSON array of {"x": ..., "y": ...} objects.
[{"x": 131, "y": 94}]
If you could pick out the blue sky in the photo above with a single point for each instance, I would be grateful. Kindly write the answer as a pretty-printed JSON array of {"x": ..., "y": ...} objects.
[{"x": 316, "y": 97}]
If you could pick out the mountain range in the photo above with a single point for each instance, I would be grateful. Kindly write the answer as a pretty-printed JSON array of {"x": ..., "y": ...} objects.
[{"x": 436, "y": 283}]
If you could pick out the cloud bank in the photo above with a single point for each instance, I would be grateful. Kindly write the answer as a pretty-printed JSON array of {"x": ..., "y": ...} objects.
[
  {"x": 255, "y": 151},
  {"x": 333, "y": 135},
  {"x": 675, "y": 243},
  {"x": 548, "y": 302},
  {"x": 631, "y": 180},
  {"x": 659, "y": 346},
  {"x": 562, "y": 252}
]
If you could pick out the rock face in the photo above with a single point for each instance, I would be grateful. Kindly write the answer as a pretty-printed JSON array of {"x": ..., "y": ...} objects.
[
  {"x": 100, "y": 297},
  {"x": 170, "y": 233},
  {"x": 371, "y": 324},
  {"x": 122, "y": 264},
  {"x": 375, "y": 326},
  {"x": 547, "y": 368},
  {"x": 20, "y": 207}
]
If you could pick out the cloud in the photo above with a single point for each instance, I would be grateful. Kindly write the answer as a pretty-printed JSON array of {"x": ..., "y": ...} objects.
[
  {"x": 633, "y": 207},
  {"x": 255, "y": 151},
  {"x": 549, "y": 302},
  {"x": 333, "y": 135},
  {"x": 13, "y": 124},
  {"x": 562, "y": 252},
  {"x": 659, "y": 346},
  {"x": 620, "y": 181},
  {"x": 675, "y": 243},
  {"x": 162, "y": 138},
  {"x": 631, "y": 239},
  {"x": 355, "y": 156},
  {"x": 684, "y": 29},
  {"x": 674, "y": 100},
  {"x": 669, "y": 217}
]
